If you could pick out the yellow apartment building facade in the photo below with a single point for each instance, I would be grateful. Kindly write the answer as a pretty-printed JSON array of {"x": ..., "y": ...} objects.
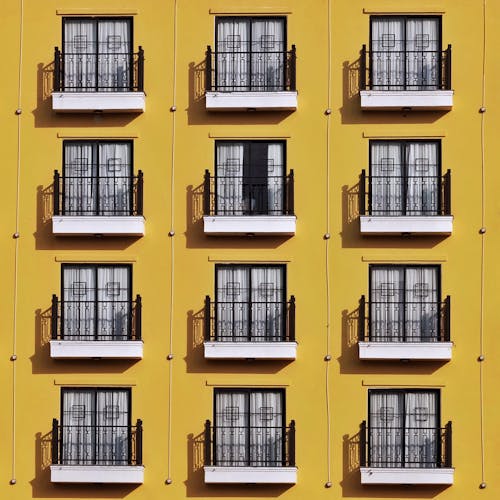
[{"x": 249, "y": 249}]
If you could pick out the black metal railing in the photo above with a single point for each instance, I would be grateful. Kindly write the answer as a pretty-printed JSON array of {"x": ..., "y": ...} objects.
[
  {"x": 93, "y": 195},
  {"x": 250, "y": 70},
  {"x": 96, "y": 319},
  {"x": 96, "y": 444},
  {"x": 119, "y": 70},
  {"x": 405, "y": 447},
  {"x": 405, "y": 195},
  {"x": 248, "y": 195},
  {"x": 250, "y": 321},
  {"x": 249, "y": 446},
  {"x": 405, "y": 69},
  {"x": 404, "y": 321}
]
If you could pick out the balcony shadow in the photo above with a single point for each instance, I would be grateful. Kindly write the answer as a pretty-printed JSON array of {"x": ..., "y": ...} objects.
[{"x": 196, "y": 362}]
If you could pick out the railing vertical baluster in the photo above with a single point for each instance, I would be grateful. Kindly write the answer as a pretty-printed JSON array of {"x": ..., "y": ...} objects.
[
  {"x": 207, "y": 319},
  {"x": 362, "y": 193},
  {"x": 447, "y": 193},
  {"x": 448, "y": 68},
  {"x": 206, "y": 193},
  {"x": 362, "y": 444},
  {"x": 207, "y": 455},
  {"x": 138, "y": 318},
  {"x": 362, "y": 319},
  {"x": 293, "y": 68},
  {"x": 447, "y": 319},
  {"x": 56, "y": 191},
  {"x": 291, "y": 320},
  {"x": 291, "y": 444},
  {"x": 138, "y": 442},
  {"x": 140, "y": 193},
  {"x": 290, "y": 202},
  {"x": 208, "y": 69},
  {"x": 57, "y": 70},
  {"x": 448, "y": 446},
  {"x": 55, "y": 441},
  {"x": 362, "y": 68},
  {"x": 54, "y": 310},
  {"x": 140, "y": 70}
]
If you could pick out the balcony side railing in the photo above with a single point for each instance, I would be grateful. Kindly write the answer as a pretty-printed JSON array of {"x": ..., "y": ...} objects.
[
  {"x": 240, "y": 321},
  {"x": 96, "y": 444},
  {"x": 249, "y": 446},
  {"x": 413, "y": 195},
  {"x": 96, "y": 320},
  {"x": 404, "y": 321},
  {"x": 405, "y": 447},
  {"x": 116, "y": 71},
  {"x": 92, "y": 195},
  {"x": 405, "y": 69},
  {"x": 239, "y": 195},
  {"x": 253, "y": 70}
]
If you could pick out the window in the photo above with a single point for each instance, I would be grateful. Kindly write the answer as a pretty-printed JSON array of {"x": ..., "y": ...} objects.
[
  {"x": 96, "y": 302},
  {"x": 250, "y": 303},
  {"x": 250, "y": 178},
  {"x": 250, "y": 54},
  {"x": 249, "y": 427},
  {"x": 95, "y": 427},
  {"x": 405, "y": 178},
  {"x": 405, "y": 53},
  {"x": 404, "y": 428},
  {"x": 97, "y": 54},
  {"x": 405, "y": 303}
]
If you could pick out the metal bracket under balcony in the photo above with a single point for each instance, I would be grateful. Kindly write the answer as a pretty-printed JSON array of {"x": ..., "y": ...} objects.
[{"x": 393, "y": 475}]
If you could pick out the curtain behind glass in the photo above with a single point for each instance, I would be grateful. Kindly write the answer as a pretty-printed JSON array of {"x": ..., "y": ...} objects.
[
  {"x": 229, "y": 182},
  {"x": 276, "y": 179}
]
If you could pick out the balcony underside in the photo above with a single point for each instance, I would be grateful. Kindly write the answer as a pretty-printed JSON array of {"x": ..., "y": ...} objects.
[
  {"x": 405, "y": 350},
  {"x": 250, "y": 350},
  {"x": 393, "y": 475},
  {"x": 89, "y": 102},
  {"x": 255, "y": 475},
  {"x": 261, "y": 225},
  {"x": 124, "y": 474},
  {"x": 251, "y": 101},
  {"x": 406, "y": 224},
  {"x": 88, "y": 349},
  {"x": 81, "y": 225},
  {"x": 439, "y": 100}
]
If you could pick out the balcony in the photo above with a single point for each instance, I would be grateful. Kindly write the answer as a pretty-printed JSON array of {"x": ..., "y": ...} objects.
[
  {"x": 420, "y": 456},
  {"x": 417, "y": 204},
  {"x": 98, "y": 206},
  {"x": 96, "y": 329},
  {"x": 105, "y": 82},
  {"x": 405, "y": 80},
  {"x": 252, "y": 206},
  {"x": 250, "y": 80},
  {"x": 404, "y": 331},
  {"x": 97, "y": 454},
  {"x": 256, "y": 455},
  {"x": 250, "y": 330}
]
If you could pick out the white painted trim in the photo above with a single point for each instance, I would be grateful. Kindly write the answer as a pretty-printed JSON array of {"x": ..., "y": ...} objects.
[
  {"x": 88, "y": 102},
  {"x": 70, "y": 225},
  {"x": 125, "y": 474},
  {"x": 245, "y": 101},
  {"x": 390, "y": 475},
  {"x": 249, "y": 224},
  {"x": 405, "y": 350},
  {"x": 398, "y": 224},
  {"x": 257, "y": 475},
  {"x": 399, "y": 99},
  {"x": 106, "y": 349},
  {"x": 250, "y": 350}
]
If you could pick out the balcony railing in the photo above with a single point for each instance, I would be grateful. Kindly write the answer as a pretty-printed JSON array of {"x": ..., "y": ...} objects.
[
  {"x": 404, "y": 321},
  {"x": 250, "y": 321},
  {"x": 96, "y": 320},
  {"x": 250, "y": 71},
  {"x": 239, "y": 195},
  {"x": 405, "y": 70},
  {"x": 109, "y": 196},
  {"x": 249, "y": 446},
  {"x": 413, "y": 195},
  {"x": 96, "y": 444},
  {"x": 405, "y": 447},
  {"x": 116, "y": 71}
]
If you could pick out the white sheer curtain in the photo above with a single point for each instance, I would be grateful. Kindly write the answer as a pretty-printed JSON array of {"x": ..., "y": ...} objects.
[
  {"x": 78, "y": 307},
  {"x": 276, "y": 178},
  {"x": 229, "y": 178},
  {"x": 115, "y": 178}
]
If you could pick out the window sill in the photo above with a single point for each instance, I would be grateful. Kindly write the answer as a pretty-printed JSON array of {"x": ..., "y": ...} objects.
[
  {"x": 81, "y": 225},
  {"x": 254, "y": 475},
  {"x": 229, "y": 225},
  {"x": 250, "y": 350},
  {"x": 251, "y": 101},
  {"x": 439, "y": 100},
  {"x": 91, "y": 349},
  {"x": 394, "y": 475},
  {"x": 124, "y": 474},
  {"x": 90, "y": 102},
  {"x": 405, "y": 350},
  {"x": 406, "y": 224}
]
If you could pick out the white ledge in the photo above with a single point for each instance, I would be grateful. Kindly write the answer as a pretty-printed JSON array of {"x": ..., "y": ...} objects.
[
  {"x": 125, "y": 474},
  {"x": 80, "y": 225},
  {"x": 250, "y": 350},
  {"x": 405, "y": 350},
  {"x": 393, "y": 475},
  {"x": 399, "y": 99},
  {"x": 106, "y": 349},
  {"x": 256, "y": 475},
  {"x": 251, "y": 101},
  {"x": 226, "y": 225},
  {"x": 88, "y": 102},
  {"x": 408, "y": 224}
]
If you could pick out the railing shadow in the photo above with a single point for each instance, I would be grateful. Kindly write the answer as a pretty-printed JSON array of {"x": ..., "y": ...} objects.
[
  {"x": 350, "y": 213},
  {"x": 194, "y": 215}
]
